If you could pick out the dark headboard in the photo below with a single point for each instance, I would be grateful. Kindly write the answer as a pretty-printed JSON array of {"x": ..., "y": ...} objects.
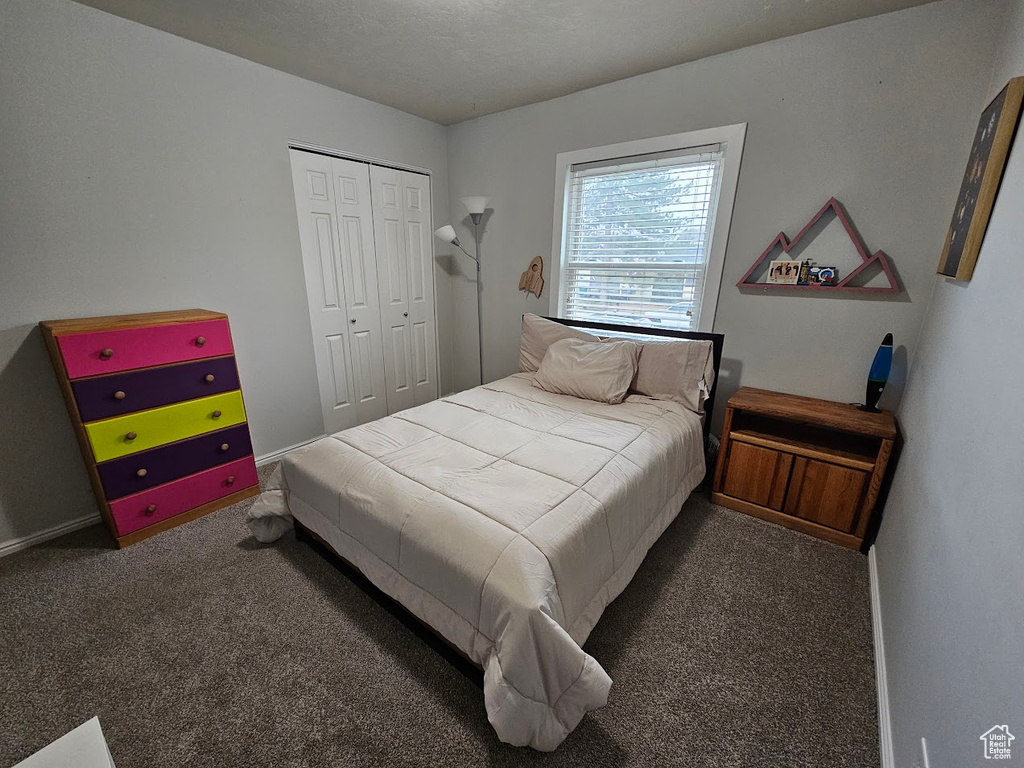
[{"x": 717, "y": 342}]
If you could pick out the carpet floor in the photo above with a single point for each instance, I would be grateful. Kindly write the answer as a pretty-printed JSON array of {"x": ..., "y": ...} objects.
[{"x": 738, "y": 643}]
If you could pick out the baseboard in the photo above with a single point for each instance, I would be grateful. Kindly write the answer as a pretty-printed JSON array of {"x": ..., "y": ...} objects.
[
  {"x": 16, "y": 545},
  {"x": 881, "y": 679},
  {"x": 269, "y": 458}
]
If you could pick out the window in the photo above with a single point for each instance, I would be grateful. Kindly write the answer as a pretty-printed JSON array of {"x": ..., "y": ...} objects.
[{"x": 642, "y": 238}]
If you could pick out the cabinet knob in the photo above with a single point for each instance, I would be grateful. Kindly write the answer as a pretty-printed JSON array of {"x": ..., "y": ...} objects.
[
  {"x": 119, "y": 395},
  {"x": 107, "y": 353},
  {"x": 208, "y": 378},
  {"x": 353, "y": 321},
  {"x": 405, "y": 314},
  {"x": 224, "y": 446},
  {"x": 141, "y": 473},
  {"x": 231, "y": 480},
  {"x": 130, "y": 436},
  {"x": 200, "y": 341},
  {"x": 216, "y": 414},
  {"x": 151, "y": 509}
]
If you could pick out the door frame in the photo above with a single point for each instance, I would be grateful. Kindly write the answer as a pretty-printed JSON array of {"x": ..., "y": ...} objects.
[{"x": 320, "y": 149}]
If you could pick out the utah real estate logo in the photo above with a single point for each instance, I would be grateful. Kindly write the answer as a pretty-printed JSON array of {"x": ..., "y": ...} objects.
[{"x": 997, "y": 742}]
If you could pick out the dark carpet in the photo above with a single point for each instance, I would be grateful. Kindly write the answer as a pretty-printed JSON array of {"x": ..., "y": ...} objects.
[{"x": 737, "y": 644}]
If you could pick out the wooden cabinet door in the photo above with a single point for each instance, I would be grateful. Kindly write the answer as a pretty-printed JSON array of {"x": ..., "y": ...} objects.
[
  {"x": 826, "y": 494},
  {"x": 758, "y": 475}
]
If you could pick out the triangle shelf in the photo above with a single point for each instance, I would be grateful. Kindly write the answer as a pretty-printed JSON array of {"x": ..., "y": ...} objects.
[{"x": 843, "y": 285}]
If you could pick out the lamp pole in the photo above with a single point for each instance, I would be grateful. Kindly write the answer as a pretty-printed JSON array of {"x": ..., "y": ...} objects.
[{"x": 479, "y": 293}]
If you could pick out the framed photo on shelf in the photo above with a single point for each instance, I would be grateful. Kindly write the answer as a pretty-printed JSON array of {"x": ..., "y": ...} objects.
[
  {"x": 783, "y": 272},
  {"x": 978, "y": 189}
]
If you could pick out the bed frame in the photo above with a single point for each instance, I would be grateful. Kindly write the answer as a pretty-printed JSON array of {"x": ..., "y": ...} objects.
[
  {"x": 717, "y": 343},
  {"x": 424, "y": 631}
]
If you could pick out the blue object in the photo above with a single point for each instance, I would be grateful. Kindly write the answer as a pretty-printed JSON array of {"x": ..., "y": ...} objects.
[{"x": 878, "y": 375}]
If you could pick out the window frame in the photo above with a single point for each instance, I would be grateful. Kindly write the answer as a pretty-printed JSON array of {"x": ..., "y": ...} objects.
[{"x": 729, "y": 137}]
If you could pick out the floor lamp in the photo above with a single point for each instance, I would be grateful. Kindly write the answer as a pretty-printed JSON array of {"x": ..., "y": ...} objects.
[{"x": 476, "y": 207}]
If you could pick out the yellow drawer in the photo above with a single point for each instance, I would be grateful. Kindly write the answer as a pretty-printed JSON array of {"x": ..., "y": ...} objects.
[{"x": 120, "y": 436}]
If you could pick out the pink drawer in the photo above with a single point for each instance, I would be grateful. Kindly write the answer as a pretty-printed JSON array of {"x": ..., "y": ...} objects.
[
  {"x": 134, "y": 512},
  {"x": 91, "y": 354}
]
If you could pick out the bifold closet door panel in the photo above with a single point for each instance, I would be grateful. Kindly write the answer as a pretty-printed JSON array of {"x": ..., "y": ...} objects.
[
  {"x": 333, "y": 204},
  {"x": 389, "y": 229},
  {"x": 359, "y": 270},
  {"x": 418, "y": 233}
]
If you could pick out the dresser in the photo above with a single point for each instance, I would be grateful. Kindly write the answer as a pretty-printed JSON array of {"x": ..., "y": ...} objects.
[
  {"x": 157, "y": 407},
  {"x": 812, "y": 465}
]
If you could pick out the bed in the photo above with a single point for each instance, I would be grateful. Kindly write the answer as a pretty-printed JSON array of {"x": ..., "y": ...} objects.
[{"x": 505, "y": 518}]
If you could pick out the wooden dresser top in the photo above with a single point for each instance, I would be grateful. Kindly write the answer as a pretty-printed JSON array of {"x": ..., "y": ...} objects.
[
  {"x": 116, "y": 322},
  {"x": 810, "y": 410}
]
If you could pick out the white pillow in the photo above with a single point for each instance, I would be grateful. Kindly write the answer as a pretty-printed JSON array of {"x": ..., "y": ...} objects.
[
  {"x": 593, "y": 370},
  {"x": 538, "y": 335},
  {"x": 680, "y": 371}
]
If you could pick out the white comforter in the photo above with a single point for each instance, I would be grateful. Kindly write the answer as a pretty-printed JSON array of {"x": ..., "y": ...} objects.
[{"x": 505, "y": 517}]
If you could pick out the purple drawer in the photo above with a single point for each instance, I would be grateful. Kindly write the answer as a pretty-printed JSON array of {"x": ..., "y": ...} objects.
[
  {"x": 121, "y": 477},
  {"x": 97, "y": 397}
]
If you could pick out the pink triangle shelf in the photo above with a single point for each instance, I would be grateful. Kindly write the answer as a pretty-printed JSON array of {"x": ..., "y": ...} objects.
[{"x": 843, "y": 286}]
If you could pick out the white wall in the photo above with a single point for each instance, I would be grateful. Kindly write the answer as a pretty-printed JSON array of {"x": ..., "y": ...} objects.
[
  {"x": 875, "y": 112},
  {"x": 142, "y": 172},
  {"x": 950, "y": 563}
]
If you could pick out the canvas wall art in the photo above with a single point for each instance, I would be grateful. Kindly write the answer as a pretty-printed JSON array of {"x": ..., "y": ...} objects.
[{"x": 985, "y": 166}]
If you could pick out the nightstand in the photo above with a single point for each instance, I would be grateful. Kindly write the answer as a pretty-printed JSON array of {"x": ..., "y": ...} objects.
[{"x": 811, "y": 465}]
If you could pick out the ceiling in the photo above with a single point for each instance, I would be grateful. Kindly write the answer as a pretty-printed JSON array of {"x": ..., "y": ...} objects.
[{"x": 451, "y": 60}]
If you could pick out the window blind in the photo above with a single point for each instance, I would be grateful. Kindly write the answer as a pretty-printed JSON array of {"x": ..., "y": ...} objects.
[{"x": 637, "y": 238}]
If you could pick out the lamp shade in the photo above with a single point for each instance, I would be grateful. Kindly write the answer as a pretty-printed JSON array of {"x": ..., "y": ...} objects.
[
  {"x": 447, "y": 234},
  {"x": 475, "y": 205}
]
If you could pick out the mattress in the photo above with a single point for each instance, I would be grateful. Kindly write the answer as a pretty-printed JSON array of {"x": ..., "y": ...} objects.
[{"x": 505, "y": 517}]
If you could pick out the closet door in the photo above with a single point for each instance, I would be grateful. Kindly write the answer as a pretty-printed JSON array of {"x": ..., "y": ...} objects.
[
  {"x": 418, "y": 233},
  {"x": 401, "y": 225},
  {"x": 332, "y": 199}
]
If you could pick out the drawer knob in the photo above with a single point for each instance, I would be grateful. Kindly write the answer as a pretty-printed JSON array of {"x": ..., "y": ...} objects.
[
  {"x": 130, "y": 436},
  {"x": 231, "y": 480},
  {"x": 216, "y": 414},
  {"x": 224, "y": 446},
  {"x": 208, "y": 378},
  {"x": 107, "y": 353},
  {"x": 200, "y": 341},
  {"x": 151, "y": 509},
  {"x": 119, "y": 395},
  {"x": 141, "y": 473}
]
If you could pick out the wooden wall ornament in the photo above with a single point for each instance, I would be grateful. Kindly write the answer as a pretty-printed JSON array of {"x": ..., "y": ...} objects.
[
  {"x": 978, "y": 190},
  {"x": 532, "y": 280},
  {"x": 846, "y": 284}
]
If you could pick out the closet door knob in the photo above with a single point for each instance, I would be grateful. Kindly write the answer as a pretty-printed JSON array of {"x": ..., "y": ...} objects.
[
  {"x": 405, "y": 314},
  {"x": 141, "y": 473},
  {"x": 231, "y": 480},
  {"x": 216, "y": 414},
  {"x": 353, "y": 321},
  {"x": 119, "y": 395},
  {"x": 208, "y": 378},
  {"x": 200, "y": 341},
  {"x": 224, "y": 446},
  {"x": 130, "y": 436},
  {"x": 107, "y": 353},
  {"x": 151, "y": 509}
]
